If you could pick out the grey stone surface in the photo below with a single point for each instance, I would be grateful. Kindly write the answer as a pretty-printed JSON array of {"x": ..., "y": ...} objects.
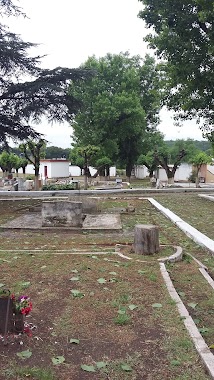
[
  {"x": 95, "y": 222},
  {"x": 102, "y": 221},
  {"x": 59, "y": 213}
]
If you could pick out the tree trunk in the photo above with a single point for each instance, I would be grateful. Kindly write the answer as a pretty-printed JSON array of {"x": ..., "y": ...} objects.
[
  {"x": 107, "y": 172},
  {"x": 146, "y": 239},
  {"x": 197, "y": 178},
  {"x": 36, "y": 183},
  {"x": 128, "y": 172},
  {"x": 85, "y": 182},
  {"x": 170, "y": 180},
  {"x": 36, "y": 180}
]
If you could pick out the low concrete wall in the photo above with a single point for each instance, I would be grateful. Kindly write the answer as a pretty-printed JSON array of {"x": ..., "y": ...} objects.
[{"x": 60, "y": 213}]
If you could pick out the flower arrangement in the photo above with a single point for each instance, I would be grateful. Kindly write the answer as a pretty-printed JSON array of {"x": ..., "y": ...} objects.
[{"x": 21, "y": 305}]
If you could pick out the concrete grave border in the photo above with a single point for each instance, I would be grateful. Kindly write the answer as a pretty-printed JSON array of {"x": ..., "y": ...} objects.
[
  {"x": 200, "y": 345},
  {"x": 210, "y": 197},
  {"x": 190, "y": 231}
]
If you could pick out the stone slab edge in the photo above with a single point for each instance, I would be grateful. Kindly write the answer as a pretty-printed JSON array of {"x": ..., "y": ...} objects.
[
  {"x": 207, "y": 277},
  {"x": 202, "y": 348},
  {"x": 209, "y": 197},
  {"x": 33, "y": 193},
  {"x": 177, "y": 256},
  {"x": 190, "y": 231}
]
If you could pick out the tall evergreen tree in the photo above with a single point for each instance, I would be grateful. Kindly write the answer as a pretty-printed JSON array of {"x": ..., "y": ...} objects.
[{"x": 44, "y": 94}]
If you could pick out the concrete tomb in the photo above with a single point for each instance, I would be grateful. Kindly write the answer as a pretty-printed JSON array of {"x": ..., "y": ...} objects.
[{"x": 60, "y": 213}]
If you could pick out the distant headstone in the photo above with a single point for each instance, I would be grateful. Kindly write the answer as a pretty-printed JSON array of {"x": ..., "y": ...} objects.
[{"x": 118, "y": 181}]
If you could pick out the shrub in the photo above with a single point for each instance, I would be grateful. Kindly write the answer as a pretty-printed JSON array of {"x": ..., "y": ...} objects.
[
  {"x": 193, "y": 176},
  {"x": 58, "y": 187}
]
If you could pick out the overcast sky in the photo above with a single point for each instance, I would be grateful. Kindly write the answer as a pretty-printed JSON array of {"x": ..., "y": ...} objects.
[{"x": 69, "y": 31}]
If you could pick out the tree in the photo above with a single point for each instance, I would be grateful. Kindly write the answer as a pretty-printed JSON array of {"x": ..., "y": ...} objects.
[
  {"x": 184, "y": 38},
  {"x": 170, "y": 157},
  {"x": 162, "y": 157},
  {"x": 45, "y": 94},
  {"x": 56, "y": 152},
  {"x": 103, "y": 167},
  {"x": 33, "y": 152},
  {"x": 118, "y": 105},
  {"x": 198, "y": 160},
  {"x": 23, "y": 164},
  {"x": 76, "y": 159},
  {"x": 87, "y": 152},
  {"x": 152, "y": 141},
  {"x": 149, "y": 161},
  {"x": 8, "y": 161}
]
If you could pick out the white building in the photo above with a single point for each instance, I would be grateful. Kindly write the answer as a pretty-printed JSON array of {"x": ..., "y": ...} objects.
[
  {"x": 182, "y": 173},
  {"x": 53, "y": 168},
  {"x": 75, "y": 171},
  {"x": 141, "y": 171}
]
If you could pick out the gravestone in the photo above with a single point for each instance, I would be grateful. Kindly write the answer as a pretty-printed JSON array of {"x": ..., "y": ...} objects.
[
  {"x": 90, "y": 205},
  {"x": 6, "y": 315},
  {"x": 146, "y": 239},
  {"x": 61, "y": 213},
  {"x": 21, "y": 184}
]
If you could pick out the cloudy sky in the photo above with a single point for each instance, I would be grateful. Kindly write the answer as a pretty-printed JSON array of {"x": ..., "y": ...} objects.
[{"x": 69, "y": 31}]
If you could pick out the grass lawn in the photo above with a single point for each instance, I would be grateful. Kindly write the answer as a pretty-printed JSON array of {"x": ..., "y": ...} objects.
[{"x": 101, "y": 316}]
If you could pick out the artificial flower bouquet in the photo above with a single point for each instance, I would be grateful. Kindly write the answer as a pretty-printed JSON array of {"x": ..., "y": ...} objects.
[{"x": 21, "y": 305}]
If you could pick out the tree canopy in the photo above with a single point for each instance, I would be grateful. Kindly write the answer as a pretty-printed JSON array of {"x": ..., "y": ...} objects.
[
  {"x": 184, "y": 38},
  {"x": 45, "y": 93},
  {"x": 118, "y": 105}
]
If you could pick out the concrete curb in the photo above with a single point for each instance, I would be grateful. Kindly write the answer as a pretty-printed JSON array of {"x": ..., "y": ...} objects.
[
  {"x": 177, "y": 256},
  {"x": 190, "y": 231},
  {"x": 145, "y": 190},
  {"x": 202, "y": 348},
  {"x": 209, "y": 197},
  {"x": 207, "y": 277}
]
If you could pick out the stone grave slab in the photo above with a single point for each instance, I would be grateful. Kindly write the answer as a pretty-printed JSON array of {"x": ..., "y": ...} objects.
[
  {"x": 33, "y": 221},
  {"x": 102, "y": 221}
]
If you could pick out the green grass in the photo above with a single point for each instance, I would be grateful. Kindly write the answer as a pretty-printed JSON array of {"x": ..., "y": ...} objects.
[{"x": 27, "y": 372}]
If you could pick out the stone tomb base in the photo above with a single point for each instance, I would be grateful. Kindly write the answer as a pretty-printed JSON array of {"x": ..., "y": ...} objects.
[
  {"x": 33, "y": 221},
  {"x": 61, "y": 213}
]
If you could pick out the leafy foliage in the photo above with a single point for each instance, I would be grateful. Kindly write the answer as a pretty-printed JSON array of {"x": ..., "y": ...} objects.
[
  {"x": 8, "y": 161},
  {"x": 184, "y": 37},
  {"x": 44, "y": 94},
  {"x": 24, "y": 354},
  {"x": 119, "y": 104}
]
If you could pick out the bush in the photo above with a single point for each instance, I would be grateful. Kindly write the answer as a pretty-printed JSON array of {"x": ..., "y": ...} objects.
[
  {"x": 58, "y": 187},
  {"x": 193, "y": 176},
  {"x": 120, "y": 172},
  {"x": 30, "y": 176}
]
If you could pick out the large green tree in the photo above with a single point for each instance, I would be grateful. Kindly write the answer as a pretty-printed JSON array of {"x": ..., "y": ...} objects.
[
  {"x": 8, "y": 161},
  {"x": 201, "y": 158},
  {"x": 118, "y": 105},
  {"x": 46, "y": 93},
  {"x": 33, "y": 152},
  {"x": 182, "y": 34}
]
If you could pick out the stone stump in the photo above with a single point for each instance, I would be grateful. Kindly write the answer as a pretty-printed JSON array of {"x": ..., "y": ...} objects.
[
  {"x": 146, "y": 239},
  {"x": 61, "y": 213}
]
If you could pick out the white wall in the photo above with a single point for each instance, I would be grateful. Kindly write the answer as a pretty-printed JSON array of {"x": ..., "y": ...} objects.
[
  {"x": 141, "y": 171},
  {"x": 75, "y": 171},
  {"x": 58, "y": 169},
  {"x": 181, "y": 174},
  {"x": 55, "y": 169}
]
